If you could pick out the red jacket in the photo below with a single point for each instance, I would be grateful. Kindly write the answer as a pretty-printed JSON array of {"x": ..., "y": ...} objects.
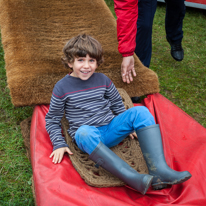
[{"x": 127, "y": 14}]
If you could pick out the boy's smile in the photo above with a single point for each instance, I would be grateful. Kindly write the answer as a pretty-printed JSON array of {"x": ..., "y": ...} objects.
[{"x": 83, "y": 67}]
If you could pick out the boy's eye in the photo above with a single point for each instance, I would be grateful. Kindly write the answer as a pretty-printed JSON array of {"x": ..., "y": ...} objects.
[
  {"x": 92, "y": 60},
  {"x": 80, "y": 60}
]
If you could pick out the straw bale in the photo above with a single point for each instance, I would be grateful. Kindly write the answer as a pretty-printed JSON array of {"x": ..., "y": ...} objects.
[{"x": 34, "y": 33}]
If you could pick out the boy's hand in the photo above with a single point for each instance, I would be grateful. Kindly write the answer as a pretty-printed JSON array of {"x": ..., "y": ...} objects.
[
  {"x": 59, "y": 153},
  {"x": 127, "y": 69},
  {"x": 133, "y": 135}
]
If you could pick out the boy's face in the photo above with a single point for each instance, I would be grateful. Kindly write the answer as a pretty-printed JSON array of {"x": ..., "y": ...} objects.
[{"x": 83, "y": 67}]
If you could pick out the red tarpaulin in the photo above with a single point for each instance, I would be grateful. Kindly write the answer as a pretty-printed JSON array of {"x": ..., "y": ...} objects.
[{"x": 184, "y": 142}]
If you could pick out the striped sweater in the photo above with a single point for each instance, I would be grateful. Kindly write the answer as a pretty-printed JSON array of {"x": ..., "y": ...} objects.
[{"x": 93, "y": 102}]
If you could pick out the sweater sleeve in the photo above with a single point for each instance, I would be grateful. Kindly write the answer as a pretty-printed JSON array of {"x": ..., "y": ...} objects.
[
  {"x": 127, "y": 14},
  {"x": 114, "y": 97},
  {"x": 53, "y": 122}
]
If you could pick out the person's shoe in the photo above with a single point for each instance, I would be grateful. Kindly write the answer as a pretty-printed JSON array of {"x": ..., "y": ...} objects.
[{"x": 177, "y": 51}]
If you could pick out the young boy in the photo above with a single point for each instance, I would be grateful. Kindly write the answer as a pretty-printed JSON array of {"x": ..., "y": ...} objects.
[{"x": 98, "y": 120}]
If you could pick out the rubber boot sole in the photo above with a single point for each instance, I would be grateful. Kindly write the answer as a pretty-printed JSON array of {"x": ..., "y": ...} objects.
[{"x": 162, "y": 185}]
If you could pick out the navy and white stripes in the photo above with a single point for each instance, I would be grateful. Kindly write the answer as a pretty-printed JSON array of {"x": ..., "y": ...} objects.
[{"x": 94, "y": 102}]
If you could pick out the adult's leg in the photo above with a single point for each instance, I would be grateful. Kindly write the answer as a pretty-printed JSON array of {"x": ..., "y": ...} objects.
[
  {"x": 175, "y": 12},
  {"x": 146, "y": 12}
]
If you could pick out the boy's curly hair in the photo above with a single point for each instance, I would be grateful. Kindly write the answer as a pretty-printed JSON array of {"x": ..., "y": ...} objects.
[{"x": 80, "y": 46}]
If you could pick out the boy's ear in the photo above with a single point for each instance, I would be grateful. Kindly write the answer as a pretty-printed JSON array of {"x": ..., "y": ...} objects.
[{"x": 70, "y": 65}]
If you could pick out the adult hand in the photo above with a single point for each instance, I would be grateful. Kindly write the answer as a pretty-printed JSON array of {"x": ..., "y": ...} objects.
[
  {"x": 59, "y": 153},
  {"x": 127, "y": 69}
]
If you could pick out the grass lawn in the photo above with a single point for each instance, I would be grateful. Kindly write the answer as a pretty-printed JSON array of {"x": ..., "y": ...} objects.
[{"x": 183, "y": 83}]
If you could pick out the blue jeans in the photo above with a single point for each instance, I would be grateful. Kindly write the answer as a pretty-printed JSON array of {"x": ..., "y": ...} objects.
[{"x": 133, "y": 119}]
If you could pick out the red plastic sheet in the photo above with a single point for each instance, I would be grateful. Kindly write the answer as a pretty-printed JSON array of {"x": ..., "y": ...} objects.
[{"x": 184, "y": 142}]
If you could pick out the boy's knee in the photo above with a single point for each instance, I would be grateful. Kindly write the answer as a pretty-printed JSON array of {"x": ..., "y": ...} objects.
[
  {"x": 87, "y": 135},
  {"x": 144, "y": 109},
  {"x": 82, "y": 134},
  {"x": 83, "y": 131},
  {"x": 140, "y": 110},
  {"x": 143, "y": 112}
]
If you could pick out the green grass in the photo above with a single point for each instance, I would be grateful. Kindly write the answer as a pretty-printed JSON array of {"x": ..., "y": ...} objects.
[
  {"x": 15, "y": 169},
  {"x": 183, "y": 83}
]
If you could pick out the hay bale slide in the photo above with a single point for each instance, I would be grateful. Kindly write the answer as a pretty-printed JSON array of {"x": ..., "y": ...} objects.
[{"x": 33, "y": 35}]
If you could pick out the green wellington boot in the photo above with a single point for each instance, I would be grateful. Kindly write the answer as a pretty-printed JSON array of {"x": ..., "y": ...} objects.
[
  {"x": 107, "y": 159},
  {"x": 151, "y": 145}
]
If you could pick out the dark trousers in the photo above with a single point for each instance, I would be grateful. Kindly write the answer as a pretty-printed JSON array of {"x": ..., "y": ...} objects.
[{"x": 175, "y": 12}]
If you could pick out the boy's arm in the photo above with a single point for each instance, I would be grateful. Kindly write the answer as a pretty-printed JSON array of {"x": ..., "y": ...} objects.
[
  {"x": 53, "y": 122},
  {"x": 115, "y": 99}
]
